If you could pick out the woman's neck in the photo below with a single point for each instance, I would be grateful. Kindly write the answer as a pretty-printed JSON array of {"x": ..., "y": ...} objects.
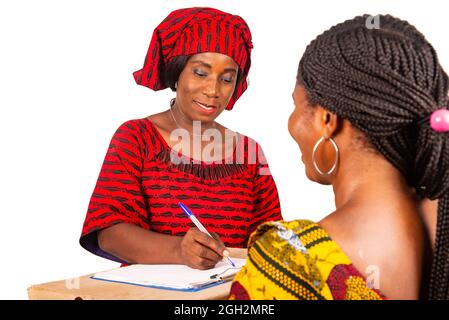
[
  {"x": 182, "y": 121},
  {"x": 362, "y": 177}
]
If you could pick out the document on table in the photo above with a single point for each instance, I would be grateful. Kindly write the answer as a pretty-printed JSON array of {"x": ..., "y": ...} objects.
[{"x": 172, "y": 276}]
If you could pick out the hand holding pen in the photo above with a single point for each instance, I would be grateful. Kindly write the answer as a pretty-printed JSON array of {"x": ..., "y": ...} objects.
[{"x": 200, "y": 249}]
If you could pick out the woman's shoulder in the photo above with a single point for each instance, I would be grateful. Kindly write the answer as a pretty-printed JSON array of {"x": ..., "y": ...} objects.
[
  {"x": 250, "y": 151},
  {"x": 402, "y": 240},
  {"x": 300, "y": 240},
  {"x": 136, "y": 125},
  {"x": 294, "y": 256},
  {"x": 140, "y": 133},
  {"x": 301, "y": 235},
  {"x": 273, "y": 229},
  {"x": 245, "y": 138},
  {"x": 300, "y": 261}
]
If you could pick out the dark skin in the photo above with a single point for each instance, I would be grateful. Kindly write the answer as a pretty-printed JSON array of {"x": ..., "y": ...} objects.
[
  {"x": 204, "y": 89},
  {"x": 378, "y": 220},
  {"x": 209, "y": 79}
]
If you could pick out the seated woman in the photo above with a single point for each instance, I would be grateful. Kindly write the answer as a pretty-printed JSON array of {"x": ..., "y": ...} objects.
[
  {"x": 203, "y": 55},
  {"x": 371, "y": 120}
]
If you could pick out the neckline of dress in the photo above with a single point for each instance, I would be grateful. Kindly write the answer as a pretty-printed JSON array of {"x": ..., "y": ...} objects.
[{"x": 228, "y": 160}]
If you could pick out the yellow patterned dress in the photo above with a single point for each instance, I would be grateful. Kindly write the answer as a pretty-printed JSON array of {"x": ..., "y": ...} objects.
[{"x": 298, "y": 260}]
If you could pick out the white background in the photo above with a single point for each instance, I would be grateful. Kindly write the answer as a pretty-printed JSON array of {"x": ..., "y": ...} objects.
[{"x": 66, "y": 85}]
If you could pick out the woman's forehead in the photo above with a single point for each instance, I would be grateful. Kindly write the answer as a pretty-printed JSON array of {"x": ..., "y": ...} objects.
[
  {"x": 299, "y": 93},
  {"x": 213, "y": 58}
]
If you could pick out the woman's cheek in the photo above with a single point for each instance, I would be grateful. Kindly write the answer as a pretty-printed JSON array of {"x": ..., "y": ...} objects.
[
  {"x": 290, "y": 126},
  {"x": 294, "y": 128},
  {"x": 227, "y": 92}
]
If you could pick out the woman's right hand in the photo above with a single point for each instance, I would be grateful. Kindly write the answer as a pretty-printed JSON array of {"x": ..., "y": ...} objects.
[{"x": 199, "y": 251}]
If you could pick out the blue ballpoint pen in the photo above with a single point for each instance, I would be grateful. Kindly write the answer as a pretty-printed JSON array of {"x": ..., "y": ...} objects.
[{"x": 199, "y": 225}]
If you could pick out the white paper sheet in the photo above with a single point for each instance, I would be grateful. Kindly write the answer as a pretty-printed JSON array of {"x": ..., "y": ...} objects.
[{"x": 169, "y": 275}]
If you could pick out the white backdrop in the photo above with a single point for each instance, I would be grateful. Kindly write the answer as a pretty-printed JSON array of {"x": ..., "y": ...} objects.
[{"x": 66, "y": 85}]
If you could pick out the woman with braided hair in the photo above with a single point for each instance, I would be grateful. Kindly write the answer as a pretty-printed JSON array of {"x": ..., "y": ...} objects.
[{"x": 371, "y": 119}]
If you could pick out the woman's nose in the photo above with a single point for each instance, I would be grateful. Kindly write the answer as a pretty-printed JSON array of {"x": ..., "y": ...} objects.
[{"x": 211, "y": 89}]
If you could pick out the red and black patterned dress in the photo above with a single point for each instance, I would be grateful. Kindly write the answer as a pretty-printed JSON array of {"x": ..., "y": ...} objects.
[{"x": 140, "y": 184}]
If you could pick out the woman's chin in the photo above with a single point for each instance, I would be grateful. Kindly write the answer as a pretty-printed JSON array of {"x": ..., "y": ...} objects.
[
  {"x": 310, "y": 176},
  {"x": 316, "y": 177},
  {"x": 204, "y": 119}
]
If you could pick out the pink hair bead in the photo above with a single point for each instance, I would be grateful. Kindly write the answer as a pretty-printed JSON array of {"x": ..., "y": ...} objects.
[{"x": 439, "y": 120}]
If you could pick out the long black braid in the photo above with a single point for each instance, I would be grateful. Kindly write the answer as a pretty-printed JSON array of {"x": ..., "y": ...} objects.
[{"x": 387, "y": 81}]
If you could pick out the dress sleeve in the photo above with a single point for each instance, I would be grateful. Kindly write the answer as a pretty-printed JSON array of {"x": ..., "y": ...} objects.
[
  {"x": 117, "y": 197},
  {"x": 266, "y": 203},
  {"x": 277, "y": 266},
  {"x": 252, "y": 282}
]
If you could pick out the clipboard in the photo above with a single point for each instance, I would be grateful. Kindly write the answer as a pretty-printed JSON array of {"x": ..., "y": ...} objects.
[{"x": 172, "y": 277}]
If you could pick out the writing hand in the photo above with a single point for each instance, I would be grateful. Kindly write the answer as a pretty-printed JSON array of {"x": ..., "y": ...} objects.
[{"x": 199, "y": 251}]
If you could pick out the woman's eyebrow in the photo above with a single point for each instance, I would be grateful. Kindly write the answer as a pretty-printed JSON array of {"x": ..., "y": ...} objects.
[{"x": 205, "y": 64}]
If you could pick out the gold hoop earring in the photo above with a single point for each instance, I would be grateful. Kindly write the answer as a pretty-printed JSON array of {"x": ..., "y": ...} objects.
[{"x": 337, "y": 156}]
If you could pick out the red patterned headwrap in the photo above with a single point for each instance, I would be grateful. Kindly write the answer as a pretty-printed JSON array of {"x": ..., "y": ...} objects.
[{"x": 195, "y": 30}]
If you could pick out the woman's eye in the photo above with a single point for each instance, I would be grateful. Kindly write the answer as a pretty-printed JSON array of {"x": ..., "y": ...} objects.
[
  {"x": 200, "y": 73},
  {"x": 228, "y": 79}
]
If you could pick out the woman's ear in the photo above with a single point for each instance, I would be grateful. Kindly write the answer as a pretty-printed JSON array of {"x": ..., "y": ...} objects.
[{"x": 329, "y": 122}]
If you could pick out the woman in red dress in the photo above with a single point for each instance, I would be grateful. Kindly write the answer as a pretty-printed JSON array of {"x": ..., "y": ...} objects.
[{"x": 202, "y": 54}]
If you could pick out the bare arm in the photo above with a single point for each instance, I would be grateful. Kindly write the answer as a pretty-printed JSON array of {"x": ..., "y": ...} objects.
[{"x": 137, "y": 245}]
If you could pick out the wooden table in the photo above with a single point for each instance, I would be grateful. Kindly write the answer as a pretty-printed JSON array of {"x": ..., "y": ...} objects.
[{"x": 85, "y": 288}]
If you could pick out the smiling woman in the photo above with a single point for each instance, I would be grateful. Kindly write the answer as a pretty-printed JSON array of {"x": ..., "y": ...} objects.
[
  {"x": 204, "y": 88},
  {"x": 203, "y": 55}
]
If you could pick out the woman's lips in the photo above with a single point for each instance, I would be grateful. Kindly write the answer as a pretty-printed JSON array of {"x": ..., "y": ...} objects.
[{"x": 207, "y": 109}]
